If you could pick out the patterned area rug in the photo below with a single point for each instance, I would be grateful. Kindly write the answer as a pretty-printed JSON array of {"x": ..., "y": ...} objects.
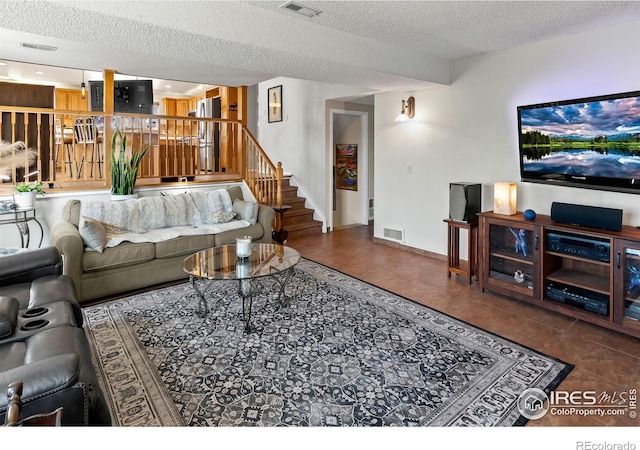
[{"x": 343, "y": 353}]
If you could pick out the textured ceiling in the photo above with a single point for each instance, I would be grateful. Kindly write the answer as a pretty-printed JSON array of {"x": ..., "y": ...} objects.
[{"x": 377, "y": 45}]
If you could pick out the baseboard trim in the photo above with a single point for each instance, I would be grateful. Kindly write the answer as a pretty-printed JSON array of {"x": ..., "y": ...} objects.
[{"x": 408, "y": 248}]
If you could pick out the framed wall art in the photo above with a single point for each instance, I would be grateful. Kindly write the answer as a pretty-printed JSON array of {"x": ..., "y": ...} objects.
[{"x": 274, "y": 102}]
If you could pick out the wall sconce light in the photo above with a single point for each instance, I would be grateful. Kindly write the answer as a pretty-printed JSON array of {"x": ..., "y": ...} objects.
[
  {"x": 83, "y": 88},
  {"x": 504, "y": 198},
  {"x": 408, "y": 110}
]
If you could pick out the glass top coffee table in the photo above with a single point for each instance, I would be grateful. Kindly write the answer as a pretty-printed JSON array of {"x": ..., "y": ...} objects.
[{"x": 221, "y": 263}]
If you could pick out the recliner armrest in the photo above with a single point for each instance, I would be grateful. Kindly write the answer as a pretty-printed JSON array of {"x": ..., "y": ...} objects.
[
  {"x": 42, "y": 378},
  {"x": 26, "y": 266}
]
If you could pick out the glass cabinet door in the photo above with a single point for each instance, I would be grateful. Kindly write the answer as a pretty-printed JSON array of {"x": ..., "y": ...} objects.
[
  {"x": 512, "y": 252},
  {"x": 630, "y": 266}
]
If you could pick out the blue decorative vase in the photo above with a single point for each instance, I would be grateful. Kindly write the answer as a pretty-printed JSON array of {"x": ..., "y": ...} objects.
[{"x": 529, "y": 214}]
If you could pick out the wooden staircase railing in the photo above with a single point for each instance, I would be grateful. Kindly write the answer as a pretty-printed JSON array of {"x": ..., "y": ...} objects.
[
  {"x": 60, "y": 156},
  {"x": 261, "y": 175}
]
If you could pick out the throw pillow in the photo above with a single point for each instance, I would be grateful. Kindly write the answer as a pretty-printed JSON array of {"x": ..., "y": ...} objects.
[
  {"x": 220, "y": 217},
  {"x": 93, "y": 234},
  {"x": 246, "y": 210}
]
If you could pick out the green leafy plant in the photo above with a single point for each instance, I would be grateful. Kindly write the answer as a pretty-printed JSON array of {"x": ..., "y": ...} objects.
[
  {"x": 124, "y": 171},
  {"x": 27, "y": 186}
]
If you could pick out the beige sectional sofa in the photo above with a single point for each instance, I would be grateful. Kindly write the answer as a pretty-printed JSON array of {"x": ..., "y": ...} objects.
[{"x": 111, "y": 247}]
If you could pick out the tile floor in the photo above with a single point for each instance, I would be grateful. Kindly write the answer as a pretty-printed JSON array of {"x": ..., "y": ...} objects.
[{"x": 604, "y": 360}]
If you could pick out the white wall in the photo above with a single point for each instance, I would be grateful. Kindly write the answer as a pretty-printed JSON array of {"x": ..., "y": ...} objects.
[
  {"x": 299, "y": 140},
  {"x": 468, "y": 131}
]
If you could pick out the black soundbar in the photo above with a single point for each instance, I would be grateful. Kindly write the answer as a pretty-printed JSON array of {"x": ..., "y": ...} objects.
[{"x": 587, "y": 216}]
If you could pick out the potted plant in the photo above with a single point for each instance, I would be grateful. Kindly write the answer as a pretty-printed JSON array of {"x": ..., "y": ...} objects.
[
  {"x": 124, "y": 170},
  {"x": 25, "y": 196}
]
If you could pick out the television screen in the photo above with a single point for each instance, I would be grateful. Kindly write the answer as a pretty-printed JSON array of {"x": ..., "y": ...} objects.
[
  {"x": 590, "y": 142},
  {"x": 129, "y": 96}
]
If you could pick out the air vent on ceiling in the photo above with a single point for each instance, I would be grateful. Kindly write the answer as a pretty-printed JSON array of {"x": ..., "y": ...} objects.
[
  {"x": 309, "y": 12},
  {"x": 46, "y": 48}
]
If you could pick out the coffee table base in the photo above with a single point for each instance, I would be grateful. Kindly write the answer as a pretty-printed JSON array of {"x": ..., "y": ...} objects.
[{"x": 248, "y": 289}]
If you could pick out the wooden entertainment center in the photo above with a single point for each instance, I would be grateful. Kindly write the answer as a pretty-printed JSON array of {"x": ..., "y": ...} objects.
[{"x": 586, "y": 273}]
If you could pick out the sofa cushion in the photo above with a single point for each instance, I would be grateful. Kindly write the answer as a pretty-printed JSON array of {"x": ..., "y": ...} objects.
[
  {"x": 228, "y": 237},
  {"x": 184, "y": 245},
  {"x": 124, "y": 215},
  {"x": 235, "y": 192},
  {"x": 125, "y": 254},
  {"x": 246, "y": 210},
  {"x": 93, "y": 234},
  {"x": 167, "y": 211}
]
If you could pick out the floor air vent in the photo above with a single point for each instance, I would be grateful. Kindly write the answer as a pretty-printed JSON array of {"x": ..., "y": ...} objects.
[{"x": 396, "y": 235}]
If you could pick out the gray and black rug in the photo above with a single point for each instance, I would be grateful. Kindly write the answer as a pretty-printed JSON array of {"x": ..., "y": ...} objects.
[{"x": 344, "y": 353}]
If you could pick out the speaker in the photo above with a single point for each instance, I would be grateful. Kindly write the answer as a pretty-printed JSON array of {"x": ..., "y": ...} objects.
[
  {"x": 587, "y": 216},
  {"x": 465, "y": 201}
]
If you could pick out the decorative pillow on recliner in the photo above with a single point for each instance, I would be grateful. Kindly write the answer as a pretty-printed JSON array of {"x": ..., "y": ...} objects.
[
  {"x": 93, "y": 233},
  {"x": 220, "y": 217},
  {"x": 246, "y": 210}
]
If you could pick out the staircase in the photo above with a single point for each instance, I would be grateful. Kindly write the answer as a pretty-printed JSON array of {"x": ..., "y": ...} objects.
[{"x": 298, "y": 220}]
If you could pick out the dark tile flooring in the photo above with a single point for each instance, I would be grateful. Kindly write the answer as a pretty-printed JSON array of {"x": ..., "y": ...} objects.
[{"x": 604, "y": 360}]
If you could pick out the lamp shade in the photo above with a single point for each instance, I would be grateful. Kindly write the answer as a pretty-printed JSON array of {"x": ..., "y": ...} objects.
[{"x": 504, "y": 198}]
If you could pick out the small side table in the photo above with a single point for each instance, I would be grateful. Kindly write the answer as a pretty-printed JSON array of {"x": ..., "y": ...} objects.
[
  {"x": 454, "y": 264},
  {"x": 20, "y": 217},
  {"x": 279, "y": 234}
]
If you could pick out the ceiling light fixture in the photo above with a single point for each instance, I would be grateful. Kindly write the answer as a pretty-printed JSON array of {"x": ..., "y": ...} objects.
[
  {"x": 299, "y": 9},
  {"x": 83, "y": 88},
  {"x": 408, "y": 110}
]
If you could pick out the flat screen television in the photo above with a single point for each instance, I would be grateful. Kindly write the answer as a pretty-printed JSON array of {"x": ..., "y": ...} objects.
[
  {"x": 589, "y": 142},
  {"x": 129, "y": 96}
]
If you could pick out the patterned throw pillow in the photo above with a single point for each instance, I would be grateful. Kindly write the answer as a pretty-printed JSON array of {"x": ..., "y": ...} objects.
[{"x": 220, "y": 217}]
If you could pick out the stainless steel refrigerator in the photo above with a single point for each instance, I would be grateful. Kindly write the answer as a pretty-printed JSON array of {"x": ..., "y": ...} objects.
[{"x": 209, "y": 134}]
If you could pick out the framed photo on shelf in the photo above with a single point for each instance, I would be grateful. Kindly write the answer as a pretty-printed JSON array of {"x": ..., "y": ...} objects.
[{"x": 274, "y": 102}]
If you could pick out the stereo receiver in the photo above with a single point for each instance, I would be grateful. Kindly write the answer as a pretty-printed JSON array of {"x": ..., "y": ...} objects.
[
  {"x": 580, "y": 298},
  {"x": 579, "y": 246}
]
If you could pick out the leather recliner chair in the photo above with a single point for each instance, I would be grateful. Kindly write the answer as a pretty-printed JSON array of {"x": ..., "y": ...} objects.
[{"x": 42, "y": 343}]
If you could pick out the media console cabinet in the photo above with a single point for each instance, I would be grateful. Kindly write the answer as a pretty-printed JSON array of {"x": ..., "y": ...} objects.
[{"x": 586, "y": 273}]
